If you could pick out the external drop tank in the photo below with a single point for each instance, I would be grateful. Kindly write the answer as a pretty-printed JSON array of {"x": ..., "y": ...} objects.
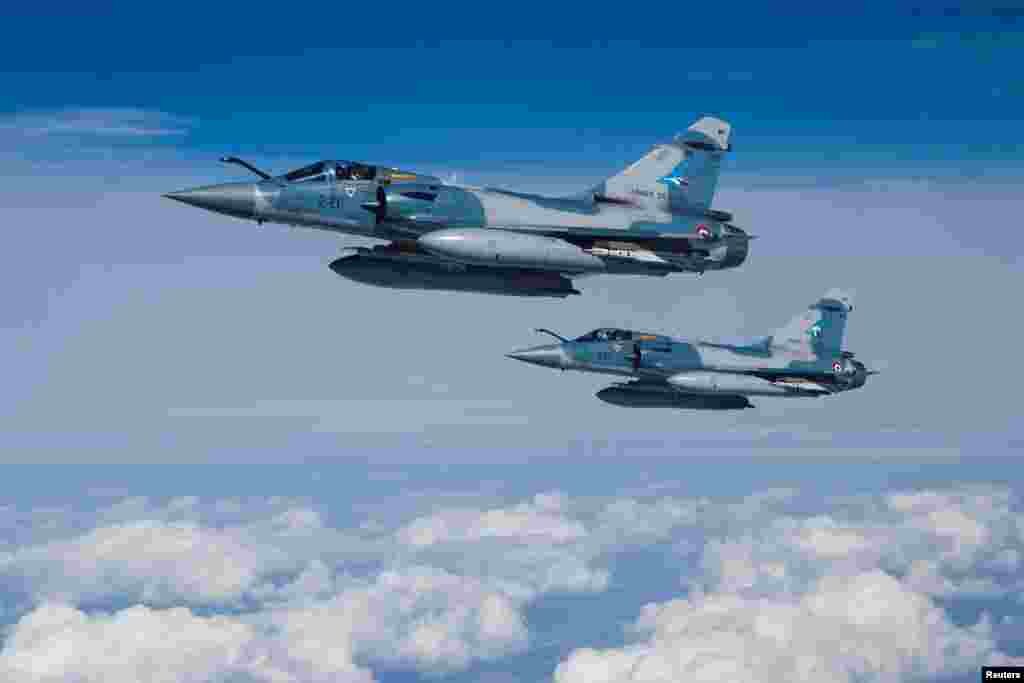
[{"x": 411, "y": 269}]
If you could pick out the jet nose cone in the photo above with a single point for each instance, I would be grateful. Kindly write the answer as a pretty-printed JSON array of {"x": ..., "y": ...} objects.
[
  {"x": 549, "y": 355},
  {"x": 233, "y": 199}
]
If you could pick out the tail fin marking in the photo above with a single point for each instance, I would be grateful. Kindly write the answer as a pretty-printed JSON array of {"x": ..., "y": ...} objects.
[
  {"x": 819, "y": 330},
  {"x": 680, "y": 176}
]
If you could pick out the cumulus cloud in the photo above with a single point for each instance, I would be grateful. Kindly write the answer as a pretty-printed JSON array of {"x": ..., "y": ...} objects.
[
  {"x": 420, "y": 618},
  {"x": 769, "y": 590},
  {"x": 324, "y": 602},
  {"x": 56, "y": 643},
  {"x": 848, "y": 596},
  {"x": 866, "y": 627},
  {"x": 541, "y": 520},
  {"x": 543, "y": 545},
  {"x": 148, "y": 561},
  {"x": 554, "y": 543},
  {"x": 627, "y": 521},
  {"x": 183, "y": 551},
  {"x": 955, "y": 543}
]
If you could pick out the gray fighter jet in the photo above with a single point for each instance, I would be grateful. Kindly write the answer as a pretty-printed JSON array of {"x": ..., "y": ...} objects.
[
  {"x": 804, "y": 358},
  {"x": 653, "y": 218}
]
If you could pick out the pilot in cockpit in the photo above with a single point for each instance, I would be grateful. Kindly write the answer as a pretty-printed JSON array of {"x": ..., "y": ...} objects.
[{"x": 362, "y": 172}]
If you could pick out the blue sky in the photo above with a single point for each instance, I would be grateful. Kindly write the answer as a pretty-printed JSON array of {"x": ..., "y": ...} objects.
[
  {"x": 877, "y": 151},
  {"x": 533, "y": 82},
  {"x": 874, "y": 150},
  {"x": 230, "y": 469}
]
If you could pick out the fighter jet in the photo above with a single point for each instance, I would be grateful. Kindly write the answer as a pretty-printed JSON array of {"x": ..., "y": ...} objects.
[
  {"x": 802, "y": 359},
  {"x": 653, "y": 218}
]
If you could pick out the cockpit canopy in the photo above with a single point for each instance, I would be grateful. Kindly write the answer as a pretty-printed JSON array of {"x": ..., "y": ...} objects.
[
  {"x": 348, "y": 171},
  {"x": 323, "y": 171},
  {"x": 613, "y": 334},
  {"x": 605, "y": 334}
]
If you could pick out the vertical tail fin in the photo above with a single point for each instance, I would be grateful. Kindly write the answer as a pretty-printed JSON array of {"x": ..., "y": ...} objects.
[
  {"x": 681, "y": 175},
  {"x": 819, "y": 330},
  {"x": 693, "y": 182}
]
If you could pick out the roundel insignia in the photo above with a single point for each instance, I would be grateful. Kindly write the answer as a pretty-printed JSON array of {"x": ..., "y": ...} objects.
[
  {"x": 703, "y": 231},
  {"x": 837, "y": 366}
]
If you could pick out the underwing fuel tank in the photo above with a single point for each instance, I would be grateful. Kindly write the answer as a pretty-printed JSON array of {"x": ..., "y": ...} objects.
[
  {"x": 640, "y": 398},
  {"x": 403, "y": 270},
  {"x": 715, "y": 383},
  {"x": 509, "y": 249}
]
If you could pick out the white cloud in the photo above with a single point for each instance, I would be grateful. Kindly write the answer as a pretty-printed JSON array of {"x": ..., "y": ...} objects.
[
  {"x": 420, "y": 617},
  {"x": 57, "y": 643},
  {"x": 180, "y": 552},
  {"x": 866, "y": 627},
  {"x": 846, "y": 596},
  {"x": 408, "y": 605},
  {"x": 97, "y": 122},
  {"x": 148, "y": 561},
  {"x": 528, "y": 549},
  {"x": 959, "y": 542},
  {"x": 185, "y": 551},
  {"x": 542, "y": 520},
  {"x": 627, "y": 521},
  {"x": 771, "y": 593}
]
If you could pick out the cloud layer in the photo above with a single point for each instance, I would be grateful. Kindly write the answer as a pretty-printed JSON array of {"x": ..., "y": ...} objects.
[
  {"x": 849, "y": 595},
  {"x": 266, "y": 590},
  {"x": 861, "y": 627},
  {"x": 106, "y": 123}
]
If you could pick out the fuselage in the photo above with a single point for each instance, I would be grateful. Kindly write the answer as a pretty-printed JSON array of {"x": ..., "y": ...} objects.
[
  {"x": 664, "y": 356},
  {"x": 618, "y": 227},
  {"x": 654, "y": 217},
  {"x": 615, "y": 236},
  {"x": 694, "y": 366},
  {"x": 421, "y": 207}
]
